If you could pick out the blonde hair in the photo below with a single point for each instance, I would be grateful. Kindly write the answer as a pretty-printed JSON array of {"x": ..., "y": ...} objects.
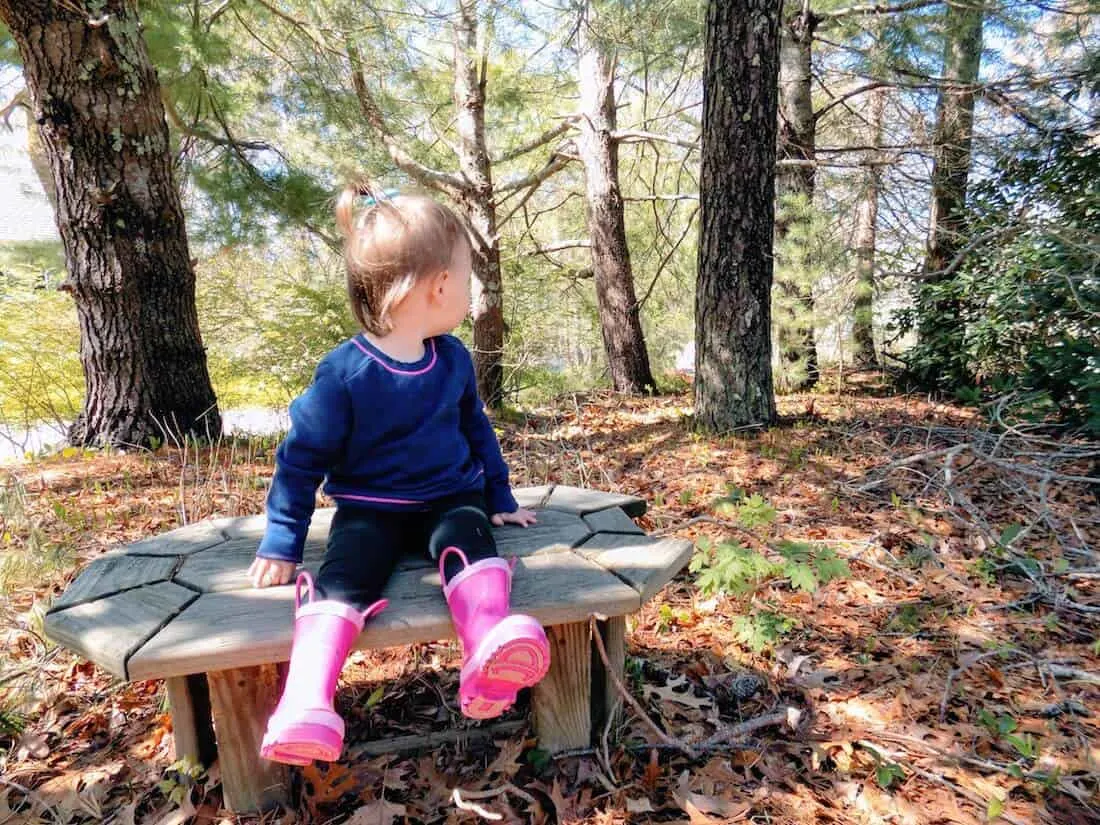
[{"x": 391, "y": 243}]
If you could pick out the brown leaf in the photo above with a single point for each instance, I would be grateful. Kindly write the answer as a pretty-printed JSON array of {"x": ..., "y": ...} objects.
[
  {"x": 326, "y": 788},
  {"x": 699, "y": 807},
  {"x": 378, "y": 812}
]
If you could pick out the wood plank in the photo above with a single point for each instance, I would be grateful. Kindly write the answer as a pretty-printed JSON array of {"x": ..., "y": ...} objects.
[
  {"x": 613, "y": 520},
  {"x": 646, "y": 563},
  {"x": 581, "y": 501},
  {"x": 242, "y": 700},
  {"x": 553, "y": 532},
  {"x": 225, "y": 567},
  {"x": 249, "y": 627},
  {"x": 181, "y": 542},
  {"x": 561, "y": 702},
  {"x": 606, "y": 700},
  {"x": 108, "y": 630},
  {"x": 192, "y": 728},
  {"x": 114, "y": 572}
]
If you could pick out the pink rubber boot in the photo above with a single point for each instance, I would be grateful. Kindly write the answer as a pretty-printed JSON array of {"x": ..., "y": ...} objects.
[
  {"x": 501, "y": 653},
  {"x": 305, "y": 726}
]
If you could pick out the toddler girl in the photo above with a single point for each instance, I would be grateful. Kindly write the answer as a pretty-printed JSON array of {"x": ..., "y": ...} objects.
[{"x": 393, "y": 423}]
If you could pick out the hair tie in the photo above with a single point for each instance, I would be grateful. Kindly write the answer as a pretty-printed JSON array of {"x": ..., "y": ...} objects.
[{"x": 387, "y": 195}]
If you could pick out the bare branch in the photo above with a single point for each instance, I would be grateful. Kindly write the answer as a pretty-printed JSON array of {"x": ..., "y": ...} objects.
[
  {"x": 638, "y": 136},
  {"x": 818, "y": 115},
  {"x": 556, "y": 163},
  {"x": 453, "y": 185},
  {"x": 544, "y": 138},
  {"x": 196, "y": 131}
]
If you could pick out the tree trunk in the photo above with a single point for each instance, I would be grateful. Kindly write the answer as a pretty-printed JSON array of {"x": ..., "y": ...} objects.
[
  {"x": 97, "y": 103},
  {"x": 620, "y": 315},
  {"x": 866, "y": 222},
  {"x": 795, "y": 181},
  {"x": 951, "y": 151},
  {"x": 733, "y": 374},
  {"x": 477, "y": 202}
]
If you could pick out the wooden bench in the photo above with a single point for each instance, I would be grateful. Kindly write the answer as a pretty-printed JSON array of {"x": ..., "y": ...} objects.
[{"x": 179, "y": 607}]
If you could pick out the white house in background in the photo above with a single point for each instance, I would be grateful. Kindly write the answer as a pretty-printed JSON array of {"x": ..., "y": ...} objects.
[{"x": 25, "y": 212}]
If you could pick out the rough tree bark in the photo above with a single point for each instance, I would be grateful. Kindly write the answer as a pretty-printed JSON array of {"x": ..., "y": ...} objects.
[
  {"x": 620, "y": 315},
  {"x": 951, "y": 142},
  {"x": 866, "y": 223},
  {"x": 477, "y": 201},
  {"x": 733, "y": 374},
  {"x": 96, "y": 101},
  {"x": 795, "y": 179}
]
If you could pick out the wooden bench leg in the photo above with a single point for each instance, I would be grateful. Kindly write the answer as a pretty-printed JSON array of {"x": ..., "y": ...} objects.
[
  {"x": 572, "y": 704},
  {"x": 242, "y": 699},
  {"x": 192, "y": 728}
]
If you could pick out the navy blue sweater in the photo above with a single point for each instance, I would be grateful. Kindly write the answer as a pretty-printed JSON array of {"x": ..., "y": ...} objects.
[{"x": 385, "y": 435}]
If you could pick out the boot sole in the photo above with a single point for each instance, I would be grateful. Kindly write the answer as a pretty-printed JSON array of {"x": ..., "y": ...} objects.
[
  {"x": 519, "y": 661},
  {"x": 300, "y": 743}
]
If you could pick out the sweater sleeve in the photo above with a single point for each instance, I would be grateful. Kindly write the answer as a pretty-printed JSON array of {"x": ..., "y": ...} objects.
[
  {"x": 320, "y": 420},
  {"x": 484, "y": 445}
]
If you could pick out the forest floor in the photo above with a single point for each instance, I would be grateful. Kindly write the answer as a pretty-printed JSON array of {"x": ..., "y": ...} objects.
[{"x": 899, "y": 602}]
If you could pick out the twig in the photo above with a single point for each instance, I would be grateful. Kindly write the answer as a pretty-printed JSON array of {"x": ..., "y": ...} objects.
[
  {"x": 629, "y": 698},
  {"x": 728, "y": 733}
]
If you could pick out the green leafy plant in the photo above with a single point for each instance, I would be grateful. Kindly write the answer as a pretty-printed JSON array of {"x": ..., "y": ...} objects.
[
  {"x": 763, "y": 629},
  {"x": 887, "y": 774}
]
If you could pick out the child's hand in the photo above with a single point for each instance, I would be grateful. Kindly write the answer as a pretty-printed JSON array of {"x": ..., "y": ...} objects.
[
  {"x": 521, "y": 517},
  {"x": 270, "y": 572}
]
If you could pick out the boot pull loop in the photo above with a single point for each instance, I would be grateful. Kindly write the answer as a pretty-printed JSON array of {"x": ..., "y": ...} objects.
[
  {"x": 443, "y": 559},
  {"x": 305, "y": 577},
  {"x": 375, "y": 609}
]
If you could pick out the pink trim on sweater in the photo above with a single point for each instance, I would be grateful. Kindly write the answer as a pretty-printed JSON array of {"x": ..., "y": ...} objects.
[
  {"x": 376, "y": 500},
  {"x": 421, "y": 371}
]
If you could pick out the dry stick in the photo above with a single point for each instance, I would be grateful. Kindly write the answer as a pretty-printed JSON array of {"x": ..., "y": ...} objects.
[
  {"x": 664, "y": 737},
  {"x": 718, "y": 738}
]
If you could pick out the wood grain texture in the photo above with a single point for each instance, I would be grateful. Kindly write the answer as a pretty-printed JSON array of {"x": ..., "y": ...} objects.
[
  {"x": 581, "y": 501},
  {"x": 225, "y": 567},
  {"x": 562, "y": 700},
  {"x": 192, "y": 729},
  {"x": 646, "y": 563},
  {"x": 108, "y": 630},
  {"x": 249, "y": 627},
  {"x": 612, "y": 520},
  {"x": 112, "y": 573},
  {"x": 242, "y": 700}
]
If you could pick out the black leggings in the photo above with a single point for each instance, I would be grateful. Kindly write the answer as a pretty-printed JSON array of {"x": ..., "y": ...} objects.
[{"x": 365, "y": 545}]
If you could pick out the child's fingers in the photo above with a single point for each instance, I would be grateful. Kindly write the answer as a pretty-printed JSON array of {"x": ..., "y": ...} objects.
[{"x": 497, "y": 520}]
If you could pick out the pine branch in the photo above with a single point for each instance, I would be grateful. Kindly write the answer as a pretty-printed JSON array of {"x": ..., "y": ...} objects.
[
  {"x": 432, "y": 178},
  {"x": 870, "y": 9}
]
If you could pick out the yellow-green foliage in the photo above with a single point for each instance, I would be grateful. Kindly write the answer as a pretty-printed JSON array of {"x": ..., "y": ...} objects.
[{"x": 40, "y": 374}]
